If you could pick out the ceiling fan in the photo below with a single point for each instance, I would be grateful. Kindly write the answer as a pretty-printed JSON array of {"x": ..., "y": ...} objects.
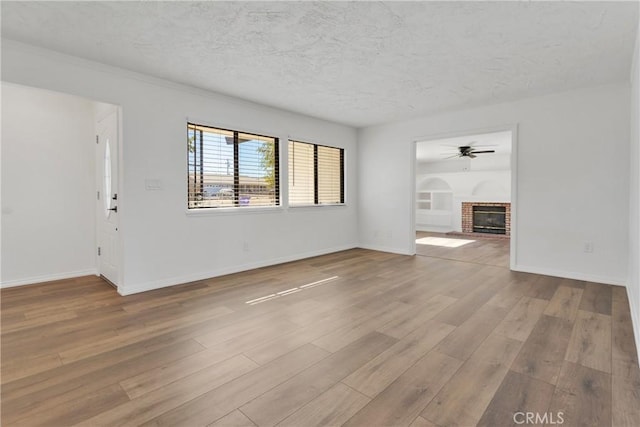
[{"x": 470, "y": 151}]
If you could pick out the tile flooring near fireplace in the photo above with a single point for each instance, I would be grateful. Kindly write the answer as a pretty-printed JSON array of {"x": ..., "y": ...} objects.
[{"x": 486, "y": 218}]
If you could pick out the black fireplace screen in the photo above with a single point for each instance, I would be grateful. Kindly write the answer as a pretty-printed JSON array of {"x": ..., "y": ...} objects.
[{"x": 490, "y": 219}]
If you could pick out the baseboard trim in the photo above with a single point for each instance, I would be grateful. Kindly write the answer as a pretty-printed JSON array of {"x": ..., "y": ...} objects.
[
  {"x": 47, "y": 278},
  {"x": 434, "y": 229},
  {"x": 634, "y": 308},
  {"x": 178, "y": 280},
  {"x": 618, "y": 281},
  {"x": 388, "y": 249}
]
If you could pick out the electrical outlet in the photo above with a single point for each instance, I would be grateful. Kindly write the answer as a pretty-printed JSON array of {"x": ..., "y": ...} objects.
[{"x": 587, "y": 247}]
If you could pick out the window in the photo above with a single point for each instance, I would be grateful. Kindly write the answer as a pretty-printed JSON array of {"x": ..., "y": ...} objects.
[
  {"x": 231, "y": 169},
  {"x": 316, "y": 174}
]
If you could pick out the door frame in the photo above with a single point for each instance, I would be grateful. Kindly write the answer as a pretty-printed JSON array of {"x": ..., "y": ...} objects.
[
  {"x": 101, "y": 114},
  {"x": 514, "y": 181}
]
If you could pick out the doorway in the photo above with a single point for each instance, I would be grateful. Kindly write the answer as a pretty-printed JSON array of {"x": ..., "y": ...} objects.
[
  {"x": 464, "y": 197},
  {"x": 50, "y": 173},
  {"x": 108, "y": 194}
]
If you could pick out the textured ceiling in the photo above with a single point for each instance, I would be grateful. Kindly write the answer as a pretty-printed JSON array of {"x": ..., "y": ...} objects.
[{"x": 358, "y": 63}]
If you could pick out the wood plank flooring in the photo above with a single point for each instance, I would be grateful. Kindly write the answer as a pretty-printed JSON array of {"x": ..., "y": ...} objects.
[
  {"x": 357, "y": 338},
  {"x": 484, "y": 250}
]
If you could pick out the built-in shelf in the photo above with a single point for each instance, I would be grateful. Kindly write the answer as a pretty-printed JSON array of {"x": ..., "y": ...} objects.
[
  {"x": 435, "y": 200},
  {"x": 423, "y": 201},
  {"x": 434, "y": 208}
]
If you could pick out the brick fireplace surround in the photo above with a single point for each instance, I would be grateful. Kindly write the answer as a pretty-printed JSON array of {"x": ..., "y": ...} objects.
[{"x": 467, "y": 215}]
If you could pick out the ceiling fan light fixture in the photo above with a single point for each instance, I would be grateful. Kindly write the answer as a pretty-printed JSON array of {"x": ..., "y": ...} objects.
[{"x": 469, "y": 151}]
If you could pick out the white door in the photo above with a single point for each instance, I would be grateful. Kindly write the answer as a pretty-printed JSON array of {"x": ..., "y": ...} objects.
[{"x": 107, "y": 197}]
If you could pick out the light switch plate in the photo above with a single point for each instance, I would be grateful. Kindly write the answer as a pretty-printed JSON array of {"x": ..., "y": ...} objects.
[{"x": 152, "y": 184}]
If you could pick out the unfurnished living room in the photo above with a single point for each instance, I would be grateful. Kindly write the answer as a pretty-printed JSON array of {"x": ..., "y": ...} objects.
[{"x": 320, "y": 213}]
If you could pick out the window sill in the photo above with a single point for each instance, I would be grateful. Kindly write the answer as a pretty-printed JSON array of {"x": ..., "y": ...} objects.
[
  {"x": 258, "y": 210},
  {"x": 233, "y": 211},
  {"x": 304, "y": 207}
]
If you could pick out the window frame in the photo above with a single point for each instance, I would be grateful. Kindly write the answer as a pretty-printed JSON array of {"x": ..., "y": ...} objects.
[
  {"x": 316, "y": 202},
  {"x": 236, "y": 207}
]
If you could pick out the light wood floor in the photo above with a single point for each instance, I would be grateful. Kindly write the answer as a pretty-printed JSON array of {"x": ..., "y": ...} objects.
[
  {"x": 480, "y": 250},
  {"x": 366, "y": 339}
]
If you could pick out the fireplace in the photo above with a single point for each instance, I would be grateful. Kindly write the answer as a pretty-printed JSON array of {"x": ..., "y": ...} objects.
[{"x": 487, "y": 218}]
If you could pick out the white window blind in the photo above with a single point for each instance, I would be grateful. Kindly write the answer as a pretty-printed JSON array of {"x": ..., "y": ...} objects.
[
  {"x": 231, "y": 169},
  {"x": 316, "y": 174},
  {"x": 301, "y": 175}
]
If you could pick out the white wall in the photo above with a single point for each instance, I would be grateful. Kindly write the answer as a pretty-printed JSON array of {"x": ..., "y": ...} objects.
[
  {"x": 572, "y": 172},
  {"x": 634, "y": 196},
  {"x": 468, "y": 186},
  {"x": 48, "y": 185},
  {"x": 491, "y": 162},
  {"x": 162, "y": 245}
]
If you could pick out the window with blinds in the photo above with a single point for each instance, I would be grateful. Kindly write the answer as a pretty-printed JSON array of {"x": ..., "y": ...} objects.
[
  {"x": 231, "y": 169},
  {"x": 316, "y": 174}
]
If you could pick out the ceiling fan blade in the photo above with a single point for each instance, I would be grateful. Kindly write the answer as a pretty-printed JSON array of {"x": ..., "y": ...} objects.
[
  {"x": 483, "y": 151},
  {"x": 470, "y": 155},
  {"x": 451, "y": 157}
]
